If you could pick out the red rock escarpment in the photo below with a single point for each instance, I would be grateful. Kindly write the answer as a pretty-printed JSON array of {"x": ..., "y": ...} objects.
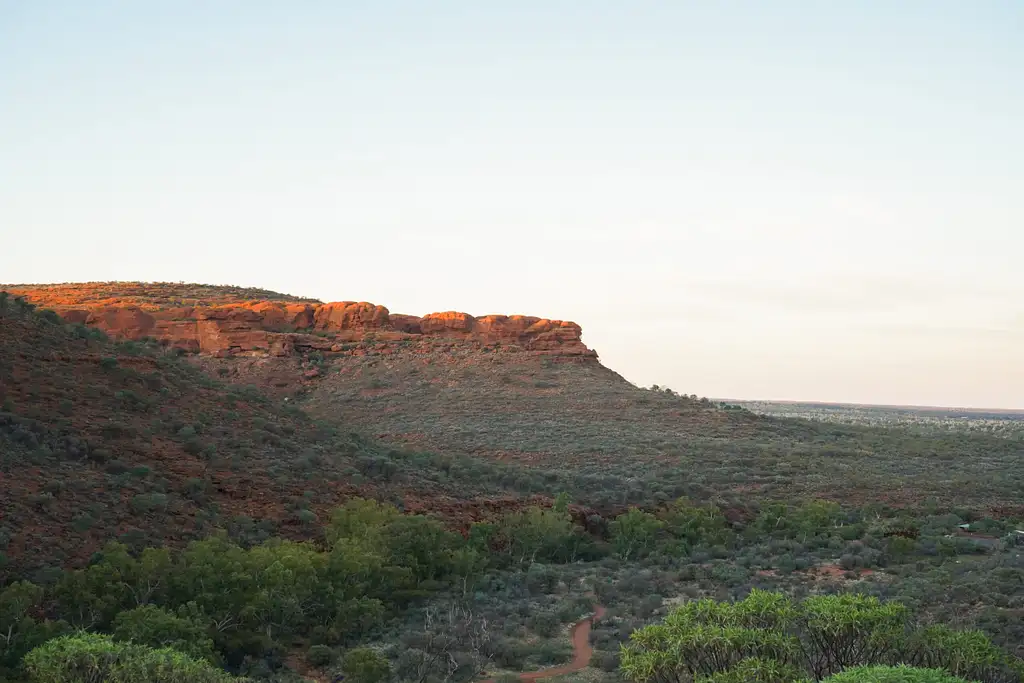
[{"x": 281, "y": 328}]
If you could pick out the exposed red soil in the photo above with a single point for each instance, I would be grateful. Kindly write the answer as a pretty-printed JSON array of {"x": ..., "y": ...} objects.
[
  {"x": 834, "y": 571},
  {"x": 823, "y": 572}
]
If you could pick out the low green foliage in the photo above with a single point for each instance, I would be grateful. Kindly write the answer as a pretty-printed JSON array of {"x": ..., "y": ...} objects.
[
  {"x": 184, "y": 631},
  {"x": 754, "y": 670},
  {"x": 94, "y": 658},
  {"x": 893, "y": 674},
  {"x": 769, "y": 637},
  {"x": 537, "y": 534},
  {"x": 224, "y": 603},
  {"x": 635, "y": 533},
  {"x": 696, "y": 525},
  {"x": 365, "y": 665},
  {"x": 20, "y": 628},
  {"x": 320, "y": 655}
]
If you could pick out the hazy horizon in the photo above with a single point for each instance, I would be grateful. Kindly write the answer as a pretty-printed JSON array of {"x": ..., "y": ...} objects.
[{"x": 802, "y": 202}]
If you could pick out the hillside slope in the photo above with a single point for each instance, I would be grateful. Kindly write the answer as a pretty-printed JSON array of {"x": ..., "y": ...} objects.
[
  {"x": 611, "y": 443},
  {"x": 102, "y": 440},
  {"x": 500, "y": 402}
]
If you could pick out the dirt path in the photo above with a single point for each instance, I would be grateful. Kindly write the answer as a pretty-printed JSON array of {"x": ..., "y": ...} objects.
[{"x": 581, "y": 651}]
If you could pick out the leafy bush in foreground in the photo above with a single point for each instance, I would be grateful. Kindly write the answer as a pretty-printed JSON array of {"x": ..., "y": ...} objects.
[
  {"x": 768, "y": 637},
  {"x": 892, "y": 674},
  {"x": 93, "y": 658}
]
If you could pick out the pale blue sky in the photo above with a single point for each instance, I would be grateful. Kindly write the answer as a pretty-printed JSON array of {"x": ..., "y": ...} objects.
[{"x": 802, "y": 200}]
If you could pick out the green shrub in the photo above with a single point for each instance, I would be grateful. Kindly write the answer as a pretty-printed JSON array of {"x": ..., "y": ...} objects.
[
  {"x": 605, "y": 661},
  {"x": 365, "y": 665},
  {"x": 148, "y": 502},
  {"x": 893, "y": 674},
  {"x": 320, "y": 655},
  {"x": 83, "y": 522},
  {"x": 93, "y": 658},
  {"x": 634, "y": 533},
  {"x": 696, "y": 525},
  {"x": 306, "y": 516},
  {"x": 544, "y": 624},
  {"x": 156, "y": 627},
  {"x": 754, "y": 670},
  {"x": 819, "y": 636},
  {"x": 509, "y": 653},
  {"x": 552, "y": 652},
  {"x": 19, "y": 631}
]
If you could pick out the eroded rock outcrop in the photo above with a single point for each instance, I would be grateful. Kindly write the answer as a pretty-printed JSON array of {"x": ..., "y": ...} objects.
[
  {"x": 283, "y": 328},
  {"x": 350, "y": 315}
]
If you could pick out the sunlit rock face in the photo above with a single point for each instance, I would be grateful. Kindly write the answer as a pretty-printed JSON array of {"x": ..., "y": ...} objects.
[{"x": 227, "y": 321}]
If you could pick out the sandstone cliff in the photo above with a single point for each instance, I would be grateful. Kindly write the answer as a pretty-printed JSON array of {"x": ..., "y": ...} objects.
[{"x": 225, "y": 322}]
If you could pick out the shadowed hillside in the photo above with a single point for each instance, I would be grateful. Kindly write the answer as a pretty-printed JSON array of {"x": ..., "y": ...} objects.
[
  {"x": 525, "y": 394},
  {"x": 617, "y": 443},
  {"x": 104, "y": 440}
]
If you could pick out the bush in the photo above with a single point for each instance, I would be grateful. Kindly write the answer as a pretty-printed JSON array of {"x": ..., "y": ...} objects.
[
  {"x": 754, "y": 669},
  {"x": 541, "y": 579},
  {"x": 821, "y": 635},
  {"x": 320, "y": 655},
  {"x": 508, "y": 653},
  {"x": 605, "y": 661},
  {"x": 544, "y": 624},
  {"x": 634, "y": 533},
  {"x": 306, "y": 516},
  {"x": 93, "y": 658},
  {"x": 892, "y": 674},
  {"x": 148, "y": 502},
  {"x": 365, "y": 665},
  {"x": 19, "y": 631},
  {"x": 551, "y": 652},
  {"x": 156, "y": 627}
]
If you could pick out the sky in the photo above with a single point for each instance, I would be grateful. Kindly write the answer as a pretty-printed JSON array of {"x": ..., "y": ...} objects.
[{"x": 789, "y": 200}]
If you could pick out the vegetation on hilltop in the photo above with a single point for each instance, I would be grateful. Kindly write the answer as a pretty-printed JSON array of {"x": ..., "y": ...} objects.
[{"x": 145, "y": 294}]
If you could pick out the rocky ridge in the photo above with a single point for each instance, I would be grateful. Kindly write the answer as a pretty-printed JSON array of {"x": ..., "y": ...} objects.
[{"x": 225, "y": 322}]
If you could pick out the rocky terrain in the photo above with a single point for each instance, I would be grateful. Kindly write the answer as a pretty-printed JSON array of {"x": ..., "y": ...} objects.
[{"x": 242, "y": 322}]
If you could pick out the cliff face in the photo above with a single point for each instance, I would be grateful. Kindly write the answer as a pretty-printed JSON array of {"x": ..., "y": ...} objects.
[{"x": 279, "y": 326}]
